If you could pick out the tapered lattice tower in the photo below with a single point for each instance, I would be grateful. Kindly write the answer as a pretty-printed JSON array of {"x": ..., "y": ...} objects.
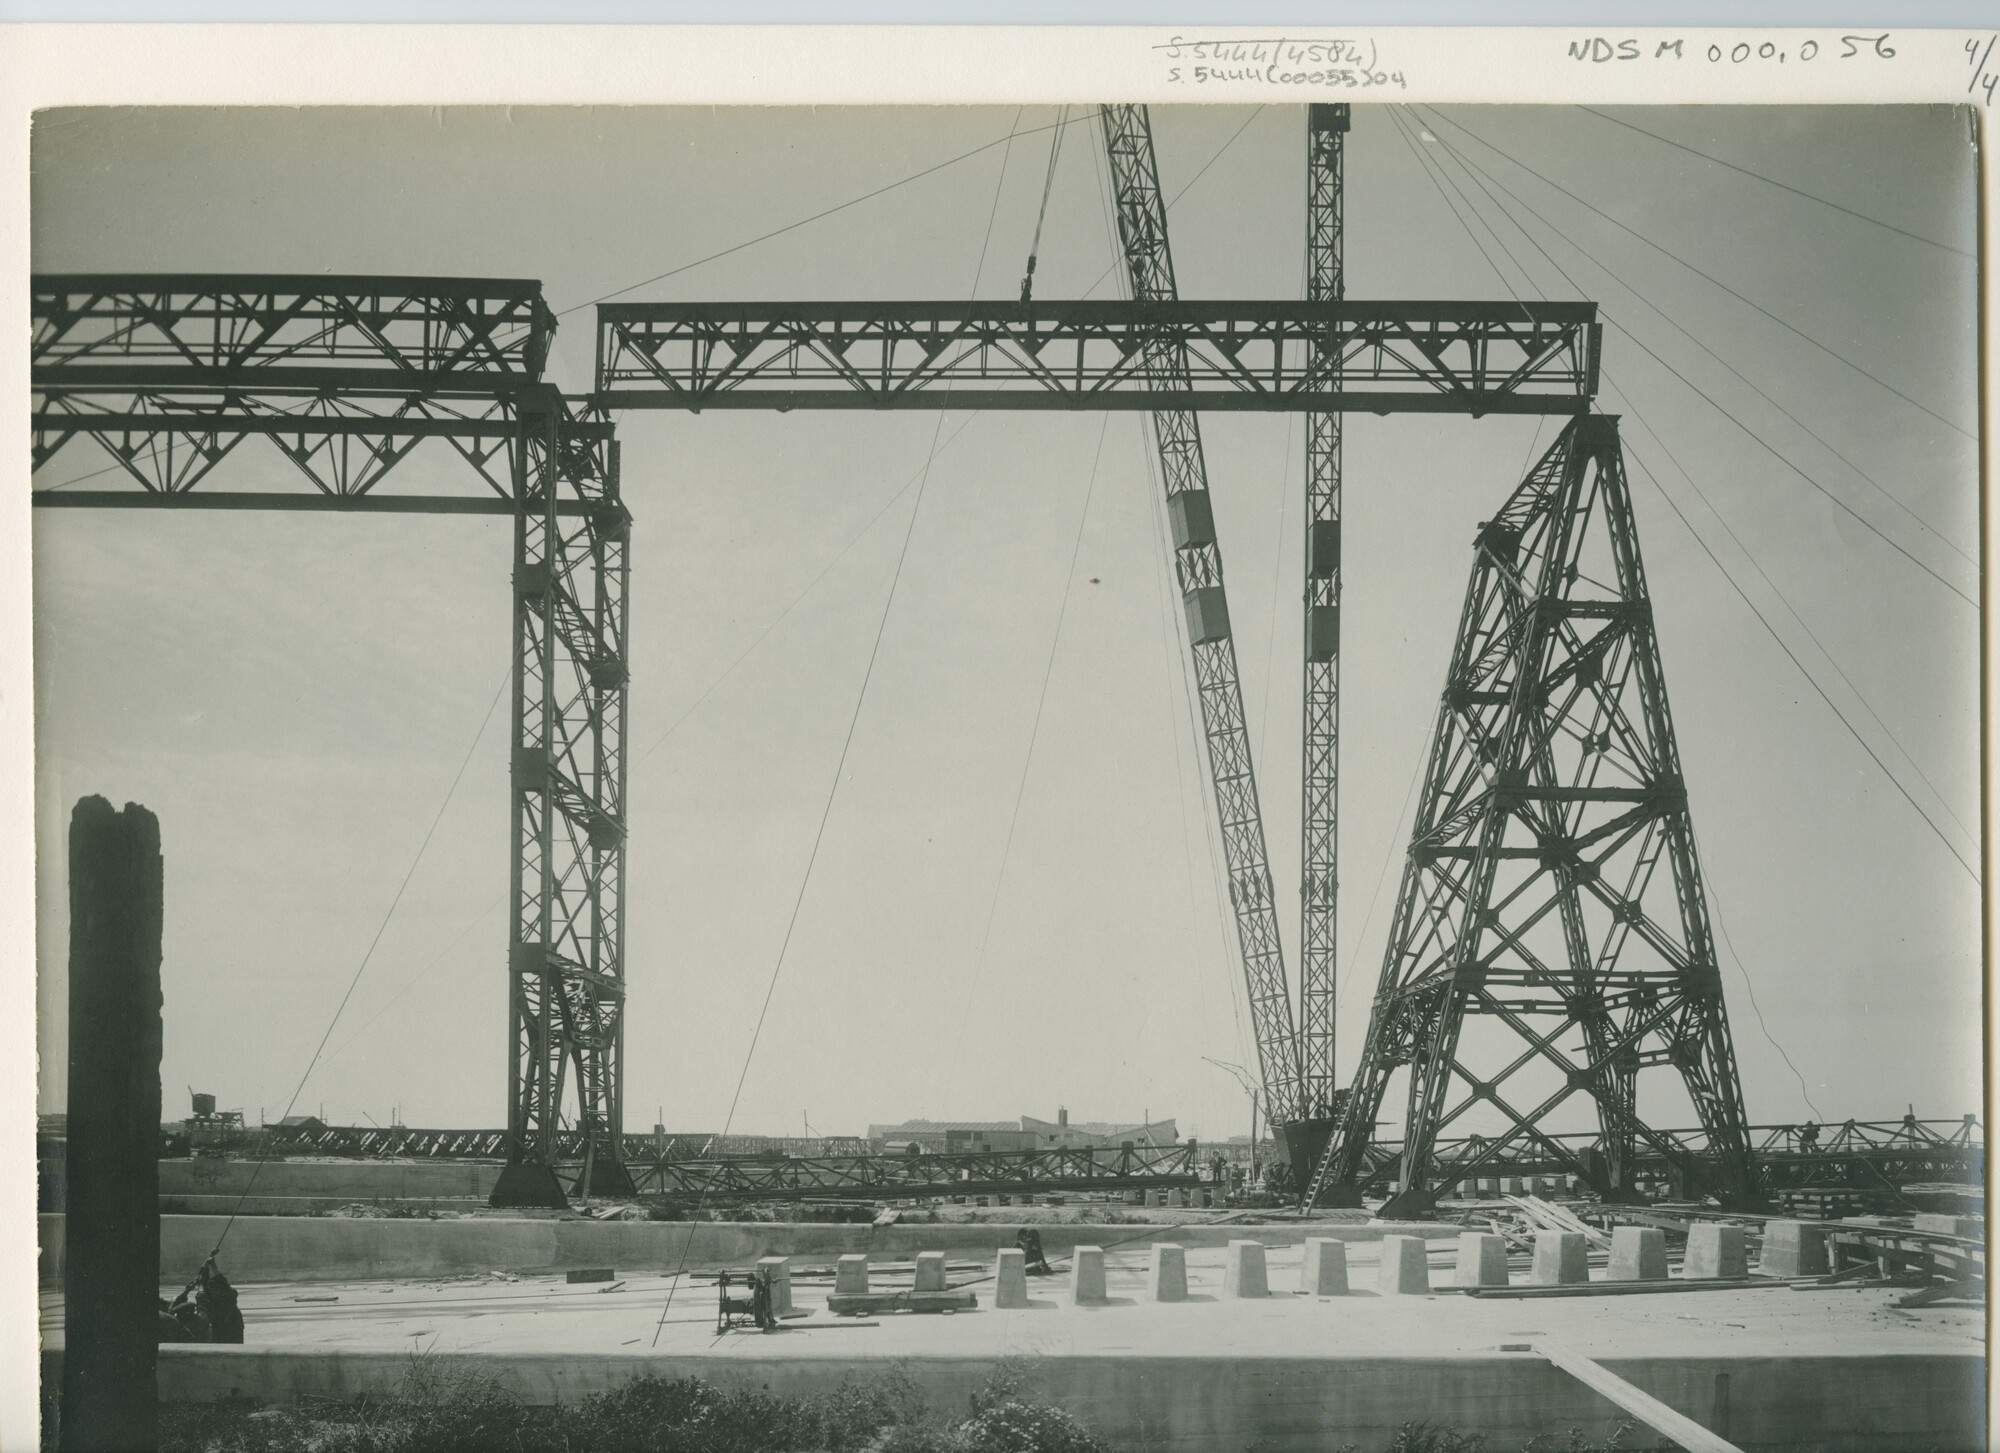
[{"x": 1551, "y": 937}]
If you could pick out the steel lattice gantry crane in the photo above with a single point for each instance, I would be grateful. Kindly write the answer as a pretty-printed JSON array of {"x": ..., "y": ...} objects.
[
  {"x": 1551, "y": 896},
  {"x": 1171, "y": 358},
  {"x": 345, "y": 376}
]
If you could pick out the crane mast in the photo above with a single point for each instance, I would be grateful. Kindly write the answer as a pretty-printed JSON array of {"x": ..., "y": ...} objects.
[
  {"x": 1326, "y": 134},
  {"x": 1142, "y": 232}
]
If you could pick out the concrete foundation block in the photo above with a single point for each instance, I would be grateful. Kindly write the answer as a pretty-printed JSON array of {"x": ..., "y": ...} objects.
[
  {"x": 1971, "y": 1228},
  {"x": 1243, "y": 1270},
  {"x": 780, "y": 1270},
  {"x": 1559, "y": 1258},
  {"x": 930, "y": 1271},
  {"x": 1793, "y": 1248},
  {"x": 1714, "y": 1251},
  {"x": 1482, "y": 1260},
  {"x": 1086, "y": 1276},
  {"x": 1489, "y": 1187},
  {"x": 1010, "y": 1278},
  {"x": 1405, "y": 1267},
  {"x": 1177, "y": 1198},
  {"x": 1516, "y": 1186},
  {"x": 1323, "y": 1272},
  {"x": 1638, "y": 1253},
  {"x": 850, "y": 1274},
  {"x": 1166, "y": 1273},
  {"x": 1153, "y": 1199}
]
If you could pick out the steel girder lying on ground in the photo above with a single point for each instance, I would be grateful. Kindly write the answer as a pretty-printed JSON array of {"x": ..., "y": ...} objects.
[
  {"x": 346, "y": 376},
  {"x": 922, "y": 1175},
  {"x": 1551, "y": 892}
]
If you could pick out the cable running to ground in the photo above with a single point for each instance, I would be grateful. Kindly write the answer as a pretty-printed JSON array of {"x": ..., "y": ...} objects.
[
  {"x": 1686, "y": 475},
  {"x": 1769, "y": 629},
  {"x": 1472, "y": 168},
  {"x": 847, "y": 742},
  {"x": 1027, "y": 764},
  {"x": 1837, "y": 357},
  {"x": 1773, "y": 181},
  {"x": 380, "y": 929},
  {"x": 1710, "y": 400}
]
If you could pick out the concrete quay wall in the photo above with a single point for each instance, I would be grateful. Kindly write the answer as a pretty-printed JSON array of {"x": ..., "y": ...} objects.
[
  {"x": 1889, "y": 1403},
  {"x": 346, "y": 1180},
  {"x": 297, "y": 1248}
]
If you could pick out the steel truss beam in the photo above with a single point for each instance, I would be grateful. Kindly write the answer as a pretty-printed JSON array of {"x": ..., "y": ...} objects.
[
  {"x": 1532, "y": 899},
  {"x": 345, "y": 376},
  {"x": 1454, "y": 358},
  {"x": 1319, "y": 842}
]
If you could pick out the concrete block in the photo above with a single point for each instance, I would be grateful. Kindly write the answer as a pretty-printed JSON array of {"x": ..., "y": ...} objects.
[
  {"x": 1405, "y": 1267},
  {"x": 1166, "y": 1273},
  {"x": 1793, "y": 1248},
  {"x": 1972, "y": 1228},
  {"x": 1010, "y": 1278},
  {"x": 1489, "y": 1186},
  {"x": 1153, "y": 1199},
  {"x": 1086, "y": 1276},
  {"x": 930, "y": 1272},
  {"x": 1638, "y": 1253},
  {"x": 1177, "y": 1198},
  {"x": 1003, "y": 1200},
  {"x": 1482, "y": 1260},
  {"x": 1323, "y": 1273},
  {"x": 850, "y": 1275},
  {"x": 1135, "y": 1198},
  {"x": 780, "y": 1270},
  {"x": 1714, "y": 1251},
  {"x": 1559, "y": 1258},
  {"x": 1516, "y": 1186},
  {"x": 1243, "y": 1270}
]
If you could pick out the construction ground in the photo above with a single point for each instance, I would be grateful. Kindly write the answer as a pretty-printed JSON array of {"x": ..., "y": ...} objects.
[{"x": 336, "y": 1307}]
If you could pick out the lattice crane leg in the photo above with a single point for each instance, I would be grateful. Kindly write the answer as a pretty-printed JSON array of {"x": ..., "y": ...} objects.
[
  {"x": 1538, "y": 952},
  {"x": 571, "y": 537},
  {"x": 1326, "y": 134},
  {"x": 1142, "y": 230}
]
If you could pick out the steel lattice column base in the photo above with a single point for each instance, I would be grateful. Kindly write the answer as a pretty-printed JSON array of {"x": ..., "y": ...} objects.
[{"x": 527, "y": 1184}]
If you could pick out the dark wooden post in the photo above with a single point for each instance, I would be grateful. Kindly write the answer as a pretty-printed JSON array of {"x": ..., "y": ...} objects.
[{"x": 111, "y": 1277}]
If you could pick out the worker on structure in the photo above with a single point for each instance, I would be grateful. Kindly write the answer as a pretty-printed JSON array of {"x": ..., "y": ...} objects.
[
  {"x": 205, "y": 1311},
  {"x": 1809, "y": 1137},
  {"x": 1030, "y": 1242}
]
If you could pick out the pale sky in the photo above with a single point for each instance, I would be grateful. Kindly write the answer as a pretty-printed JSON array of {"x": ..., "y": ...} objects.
[{"x": 293, "y": 694}]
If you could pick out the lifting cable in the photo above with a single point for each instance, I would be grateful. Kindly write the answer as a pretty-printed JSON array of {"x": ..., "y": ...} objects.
[
  {"x": 1055, "y": 150},
  {"x": 1007, "y": 141}
]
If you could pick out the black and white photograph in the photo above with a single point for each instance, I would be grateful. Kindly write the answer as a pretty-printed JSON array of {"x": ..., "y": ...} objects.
[{"x": 657, "y": 825}]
